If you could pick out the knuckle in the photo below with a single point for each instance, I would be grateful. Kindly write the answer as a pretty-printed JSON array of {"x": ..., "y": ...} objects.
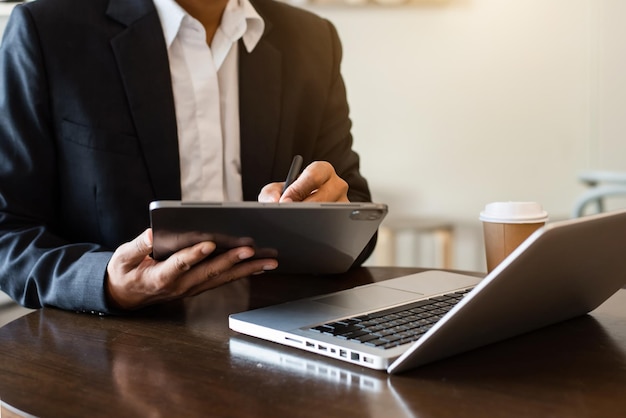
[
  {"x": 263, "y": 191},
  {"x": 121, "y": 254},
  {"x": 160, "y": 281},
  {"x": 343, "y": 184},
  {"x": 180, "y": 264},
  {"x": 138, "y": 245},
  {"x": 221, "y": 269},
  {"x": 177, "y": 292},
  {"x": 211, "y": 273}
]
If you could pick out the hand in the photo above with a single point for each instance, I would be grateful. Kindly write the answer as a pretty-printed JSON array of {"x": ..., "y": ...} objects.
[
  {"x": 134, "y": 279},
  {"x": 318, "y": 183}
]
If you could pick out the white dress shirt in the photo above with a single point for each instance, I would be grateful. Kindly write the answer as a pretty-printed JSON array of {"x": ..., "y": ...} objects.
[{"x": 208, "y": 128}]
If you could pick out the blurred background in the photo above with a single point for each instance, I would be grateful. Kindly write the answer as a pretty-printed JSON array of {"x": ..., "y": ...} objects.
[{"x": 457, "y": 103}]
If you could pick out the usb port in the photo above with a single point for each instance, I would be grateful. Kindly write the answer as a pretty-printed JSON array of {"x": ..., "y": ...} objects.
[
  {"x": 321, "y": 347},
  {"x": 343, "y": 353},
  {"x": 308, "y": 344}
]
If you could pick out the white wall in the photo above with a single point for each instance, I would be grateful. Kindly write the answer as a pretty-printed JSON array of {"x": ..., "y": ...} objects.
[
  {"x": 456, "y": 103},
  {"x": 5, "y": 10}
]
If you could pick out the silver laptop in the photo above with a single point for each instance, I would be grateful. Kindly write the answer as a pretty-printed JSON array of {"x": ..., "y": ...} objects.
[{"x": 564, "y": 270}]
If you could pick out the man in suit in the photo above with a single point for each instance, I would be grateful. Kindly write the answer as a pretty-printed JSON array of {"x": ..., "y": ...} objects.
[{"x": 109, "y": 104}]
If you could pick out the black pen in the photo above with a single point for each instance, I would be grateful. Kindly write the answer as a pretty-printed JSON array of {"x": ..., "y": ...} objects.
[{"x": 294, "y": 171}]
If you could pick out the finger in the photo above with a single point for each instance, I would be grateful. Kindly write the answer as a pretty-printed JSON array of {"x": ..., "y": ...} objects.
[
  {"x": 183, "y": 260},
  {"x": 237, "y": 271},
  {"x": 222, "y": 263},
  {"x": 231, "y": 265},
  {"x": 311, "y": 178},
  {"x": 270, "y": 193},
  {"x": 318, "y": 183},
  {"x": 335, "y": 190},
  {"x": 147, "y": 281},
  {"x": 134, "y": 252}
]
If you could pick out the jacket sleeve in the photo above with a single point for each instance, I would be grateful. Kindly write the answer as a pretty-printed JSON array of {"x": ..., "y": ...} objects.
[
  {"x": 335, "y": 139},
  {"x": 37, "y": 266}
]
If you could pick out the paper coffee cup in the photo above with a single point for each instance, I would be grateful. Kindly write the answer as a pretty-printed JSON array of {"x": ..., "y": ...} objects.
[{"x": 506, "y": 225}]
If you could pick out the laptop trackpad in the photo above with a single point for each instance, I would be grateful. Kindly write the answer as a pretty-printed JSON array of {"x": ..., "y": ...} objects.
[{"x": 368, "y": 298}]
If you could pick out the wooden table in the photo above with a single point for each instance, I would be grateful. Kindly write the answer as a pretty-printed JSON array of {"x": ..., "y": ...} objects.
[{"x": 181, "y": 360}]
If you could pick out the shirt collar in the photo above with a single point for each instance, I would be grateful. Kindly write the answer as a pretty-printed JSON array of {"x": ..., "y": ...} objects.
[
  {"x": 250, "y": 27},
  {"x": 255, "y": 25}
]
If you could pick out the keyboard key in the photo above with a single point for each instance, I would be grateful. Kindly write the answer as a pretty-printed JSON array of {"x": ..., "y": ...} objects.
[
  {"x": 376, "y": 343},
  {"x": 366, "y": 338},
  {"x": 395, "y": 326}
]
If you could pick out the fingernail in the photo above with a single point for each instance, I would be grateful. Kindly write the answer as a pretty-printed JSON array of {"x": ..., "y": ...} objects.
[
  {"x": 207, "y": 249},
  {"x": 268, "y": 267},
  {"x": 246, "y": 253}
]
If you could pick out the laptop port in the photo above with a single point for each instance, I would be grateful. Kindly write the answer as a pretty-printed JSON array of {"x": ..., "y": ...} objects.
[
  {"x": 343, "y": 353},
  {"x": 354, "y": 356},
  {"x": 368, "y": 360},
  {"x": 308, "y": 344},
  {"x": 321, "y": 347}
]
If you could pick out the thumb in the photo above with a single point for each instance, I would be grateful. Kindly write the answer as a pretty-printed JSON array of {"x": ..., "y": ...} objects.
[{"x": 135, "y": 252}]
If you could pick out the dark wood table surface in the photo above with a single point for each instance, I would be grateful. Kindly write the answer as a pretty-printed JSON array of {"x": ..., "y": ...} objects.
[{"x": 181, "y": 360}]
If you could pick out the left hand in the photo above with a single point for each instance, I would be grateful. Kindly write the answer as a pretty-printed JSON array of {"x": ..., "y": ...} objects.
[{"x": 317, "y": 183}]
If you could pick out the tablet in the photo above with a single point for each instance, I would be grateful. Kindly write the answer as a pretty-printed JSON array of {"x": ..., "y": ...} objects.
[{"x": 312, "y": 238}]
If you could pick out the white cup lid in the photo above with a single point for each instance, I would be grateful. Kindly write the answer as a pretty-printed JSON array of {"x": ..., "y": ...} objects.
[{"x": 514, "y": 212}]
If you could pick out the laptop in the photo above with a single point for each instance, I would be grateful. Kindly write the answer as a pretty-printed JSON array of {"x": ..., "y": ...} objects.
[
  {"x": 313, "y": 238},
  {"x": 563, "y": 270}
]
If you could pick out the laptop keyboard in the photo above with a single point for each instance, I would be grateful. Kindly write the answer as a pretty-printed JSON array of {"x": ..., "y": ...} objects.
[{"x": 394, "y": 326}]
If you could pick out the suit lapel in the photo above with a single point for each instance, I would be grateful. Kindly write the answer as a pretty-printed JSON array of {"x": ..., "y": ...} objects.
[
  {"x": 144, "y": 68},
  {"x": 143, "y": 64},
  {"x": 260, "y": 87}
]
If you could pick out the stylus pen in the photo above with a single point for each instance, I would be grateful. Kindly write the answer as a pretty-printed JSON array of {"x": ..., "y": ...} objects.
[{"x": 294, "y": 171}]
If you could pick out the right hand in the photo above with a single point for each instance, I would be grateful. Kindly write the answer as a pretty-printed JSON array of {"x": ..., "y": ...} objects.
[
  {"x": 318, "y": 182},
  {"x": 134, "y": 279}
]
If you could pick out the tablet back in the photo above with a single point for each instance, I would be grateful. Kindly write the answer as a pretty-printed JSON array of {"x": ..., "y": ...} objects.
[{"x": 312, "y": 238}]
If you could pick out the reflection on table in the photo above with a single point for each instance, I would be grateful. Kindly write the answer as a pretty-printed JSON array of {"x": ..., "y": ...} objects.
[{"x": 181, "y": 359}]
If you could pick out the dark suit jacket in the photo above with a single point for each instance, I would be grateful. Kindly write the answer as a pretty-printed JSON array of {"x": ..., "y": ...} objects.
[{"x": 88, "y": 132}]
